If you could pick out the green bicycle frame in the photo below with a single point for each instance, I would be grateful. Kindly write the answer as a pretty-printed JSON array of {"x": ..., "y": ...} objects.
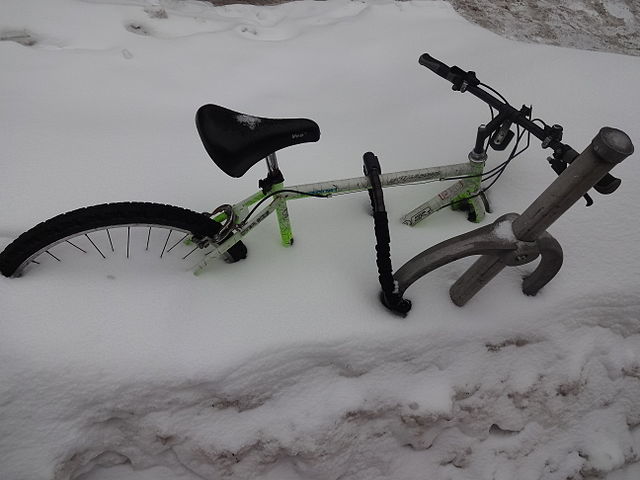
[{"x": 465, "y": 190}]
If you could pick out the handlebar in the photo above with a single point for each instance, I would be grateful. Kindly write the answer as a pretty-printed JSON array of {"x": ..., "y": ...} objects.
[{"x": 466, "y": 81}]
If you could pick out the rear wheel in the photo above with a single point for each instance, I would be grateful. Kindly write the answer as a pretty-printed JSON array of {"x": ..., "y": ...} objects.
[{"x": 127, "y": 230}]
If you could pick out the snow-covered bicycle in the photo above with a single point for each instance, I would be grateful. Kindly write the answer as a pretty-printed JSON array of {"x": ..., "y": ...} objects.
[{"x": 236, "y": 142}]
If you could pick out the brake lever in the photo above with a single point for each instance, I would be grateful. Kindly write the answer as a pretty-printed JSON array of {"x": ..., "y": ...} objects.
[{"x": 462, "y": 79}]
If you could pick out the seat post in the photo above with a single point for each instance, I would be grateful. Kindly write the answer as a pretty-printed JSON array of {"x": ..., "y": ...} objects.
[{"x": 272, "y": 163}]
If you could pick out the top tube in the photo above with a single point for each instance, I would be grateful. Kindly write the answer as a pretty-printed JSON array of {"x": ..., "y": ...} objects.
[{"x": 359, "y": 184}]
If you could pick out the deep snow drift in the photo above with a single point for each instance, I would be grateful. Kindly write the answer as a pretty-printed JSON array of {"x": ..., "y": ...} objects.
[{"x": 285, "y": 366}]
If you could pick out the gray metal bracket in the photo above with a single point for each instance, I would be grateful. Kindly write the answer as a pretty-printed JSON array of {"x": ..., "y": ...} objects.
[{"x": 496, "y": 241}]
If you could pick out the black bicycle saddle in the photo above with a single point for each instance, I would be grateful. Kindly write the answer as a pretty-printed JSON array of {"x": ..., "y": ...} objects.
[{"x": 236, "y": 141}]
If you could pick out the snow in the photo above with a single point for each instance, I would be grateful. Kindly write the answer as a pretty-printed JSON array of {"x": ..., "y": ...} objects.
[
  {"x": 504, "y": 230},
  {"x": 285, "y": 366},
  {"x": 248, "y": 120}
]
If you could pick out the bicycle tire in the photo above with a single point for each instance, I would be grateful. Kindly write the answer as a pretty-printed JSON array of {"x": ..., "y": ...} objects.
[{"x": 64, "y": 228}]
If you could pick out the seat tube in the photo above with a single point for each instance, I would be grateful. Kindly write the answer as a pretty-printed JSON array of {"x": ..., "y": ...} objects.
[{"x": 282, "y": 213}]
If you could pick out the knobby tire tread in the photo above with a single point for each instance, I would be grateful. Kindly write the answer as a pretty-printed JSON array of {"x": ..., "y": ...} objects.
[{"x": 102, "y": 216}]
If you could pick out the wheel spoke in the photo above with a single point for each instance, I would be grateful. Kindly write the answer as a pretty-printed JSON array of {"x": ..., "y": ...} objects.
[
  {"x": 148, "y": 238},
  {"x": 96, "y": 247},
  {"x": 178, "y": 242},
  {"x": 49, "y": 253},
  {"x": 74, "y": 245},
  {"x": 165, "y": 243},
  {"x": 128, "y": 240},
  {"x": 110, "y": 241},
  {"x": 190, "y": 253}
]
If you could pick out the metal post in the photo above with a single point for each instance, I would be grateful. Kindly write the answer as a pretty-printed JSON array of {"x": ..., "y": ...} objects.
[
  {"x": 608, "y": 148},
  {"x": 477, "y": 276}
]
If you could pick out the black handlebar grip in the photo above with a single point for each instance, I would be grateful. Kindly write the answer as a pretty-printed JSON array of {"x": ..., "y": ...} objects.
[
  {"x": 607, "y": 184},
  {"x": 434, "y": 65}
]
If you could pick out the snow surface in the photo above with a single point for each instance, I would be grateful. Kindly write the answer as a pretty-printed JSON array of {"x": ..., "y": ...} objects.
[{"x": 285, "y": 366}]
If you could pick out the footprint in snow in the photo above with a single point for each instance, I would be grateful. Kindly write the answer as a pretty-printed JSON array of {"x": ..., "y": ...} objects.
[
  {"x": 266, "y": 34},
  {"x": 23, "y": 37},
  {"x": 138, "y": 29}
]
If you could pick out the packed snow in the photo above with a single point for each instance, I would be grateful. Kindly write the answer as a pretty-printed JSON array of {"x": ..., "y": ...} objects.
[{"x": 285, "y": 365}]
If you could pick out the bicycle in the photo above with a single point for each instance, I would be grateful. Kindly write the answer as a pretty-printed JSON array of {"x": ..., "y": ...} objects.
[{"x": 236, "y": 142}]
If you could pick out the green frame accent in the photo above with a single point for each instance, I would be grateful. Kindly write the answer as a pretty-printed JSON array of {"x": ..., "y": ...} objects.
[{"x": 282, "y": 214}]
